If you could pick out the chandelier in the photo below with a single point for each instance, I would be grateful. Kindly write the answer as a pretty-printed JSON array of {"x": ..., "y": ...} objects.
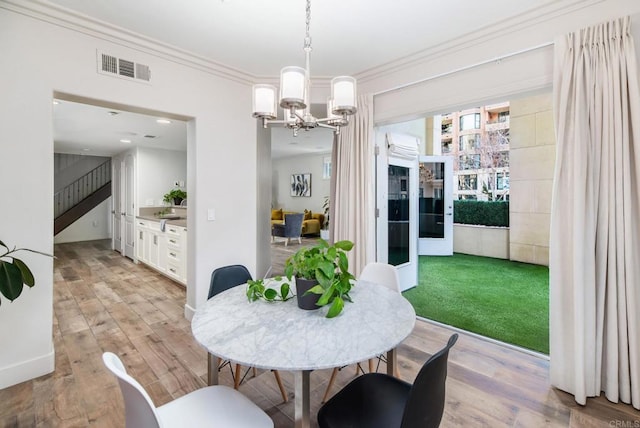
[{"x": 295, "y": 97}]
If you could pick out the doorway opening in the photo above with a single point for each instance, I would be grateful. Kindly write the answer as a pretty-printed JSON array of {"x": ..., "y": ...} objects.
[{"x": 146, "y": 154}]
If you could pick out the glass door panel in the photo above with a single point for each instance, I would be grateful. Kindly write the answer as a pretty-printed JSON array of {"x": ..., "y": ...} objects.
[{"x": 398, "y": 220}]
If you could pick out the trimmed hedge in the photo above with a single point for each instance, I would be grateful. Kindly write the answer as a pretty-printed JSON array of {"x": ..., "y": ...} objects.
[{"x": 481, "y": 212}]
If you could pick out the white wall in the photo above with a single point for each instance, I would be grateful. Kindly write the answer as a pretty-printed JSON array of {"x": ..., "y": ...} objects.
[
  {"x": 96, "y": 224},
  {"x": 41, "y": 58},
  {"x": 281, "y": 182},
  {"x": 156, "y": 172}
]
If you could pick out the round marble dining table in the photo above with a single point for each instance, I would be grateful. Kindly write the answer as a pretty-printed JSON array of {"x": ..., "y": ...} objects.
[{"x": 280, "y": 336}]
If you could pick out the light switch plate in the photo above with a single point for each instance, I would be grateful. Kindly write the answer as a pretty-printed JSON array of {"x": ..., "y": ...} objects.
[{"x": 211, "y": 214}]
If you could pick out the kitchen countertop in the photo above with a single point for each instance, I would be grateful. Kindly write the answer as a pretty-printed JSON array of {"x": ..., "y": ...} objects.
[{"x": 181, "y": 222}]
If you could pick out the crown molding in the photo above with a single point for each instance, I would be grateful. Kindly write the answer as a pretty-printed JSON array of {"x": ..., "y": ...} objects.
[
  {"x": 53, "y": 14},
  {"x": 486, "y": 34}
]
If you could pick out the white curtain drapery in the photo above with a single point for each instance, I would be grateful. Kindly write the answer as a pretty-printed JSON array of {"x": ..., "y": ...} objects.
[
  {"x": 352, "y": 186},
  {"x": 595, "y": 216}
]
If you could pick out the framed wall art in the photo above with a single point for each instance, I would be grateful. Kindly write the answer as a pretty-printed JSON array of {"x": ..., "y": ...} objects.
[{"x": 301, "y": 184}]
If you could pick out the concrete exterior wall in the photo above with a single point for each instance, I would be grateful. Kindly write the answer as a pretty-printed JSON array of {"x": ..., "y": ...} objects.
[
  {"x": 532, "y": 161},
  {"x": 485, "y": 241}
]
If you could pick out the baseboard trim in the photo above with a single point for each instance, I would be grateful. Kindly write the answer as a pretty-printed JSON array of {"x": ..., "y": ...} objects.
[
  {"x": 189, "y": 312},
  {"x": 27, "y": 370}
]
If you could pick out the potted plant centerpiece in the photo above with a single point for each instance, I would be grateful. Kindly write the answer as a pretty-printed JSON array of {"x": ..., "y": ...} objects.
[
  {"x": 175, "y": 196},
  {"x": 322, "y": 275}
]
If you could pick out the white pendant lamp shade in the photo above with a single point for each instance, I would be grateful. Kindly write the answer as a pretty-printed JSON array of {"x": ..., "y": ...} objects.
[
  {"x": 264, "y": 101},
  {"x": 292, "y": 87},
  {"x": 343, "y": 93}
]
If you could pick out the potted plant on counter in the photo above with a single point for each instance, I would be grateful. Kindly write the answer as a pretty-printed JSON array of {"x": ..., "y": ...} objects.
[
  {"x": 322, "y": 275},
  {"x": 175, "y": 196}
]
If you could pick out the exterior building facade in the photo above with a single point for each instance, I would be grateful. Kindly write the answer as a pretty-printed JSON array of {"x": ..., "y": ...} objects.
[{"x": 478, "y": 139}]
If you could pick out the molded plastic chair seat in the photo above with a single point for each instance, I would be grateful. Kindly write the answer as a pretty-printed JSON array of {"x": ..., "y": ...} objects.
[
  {"x": 216, "y": 406},
  {"x": 376, "y": 400}
]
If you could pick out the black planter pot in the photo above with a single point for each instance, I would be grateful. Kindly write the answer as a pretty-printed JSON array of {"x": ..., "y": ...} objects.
[
  {"x": 308, "y": 301},
  {"x": 177, "y": 201}
]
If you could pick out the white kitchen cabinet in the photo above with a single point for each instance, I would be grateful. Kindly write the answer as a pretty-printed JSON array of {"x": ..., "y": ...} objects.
[{"x": 165, "y": 250}]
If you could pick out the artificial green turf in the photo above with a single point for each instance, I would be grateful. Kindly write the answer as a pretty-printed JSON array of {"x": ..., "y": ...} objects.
[{"x": 505, "y": 300}]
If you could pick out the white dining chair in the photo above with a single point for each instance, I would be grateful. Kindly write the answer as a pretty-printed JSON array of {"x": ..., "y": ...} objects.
[
  {"x": 215, "y": 406},
  {"x": 378, "y": 273}
]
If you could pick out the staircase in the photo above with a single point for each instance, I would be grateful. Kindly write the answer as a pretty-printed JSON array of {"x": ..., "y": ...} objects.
[{"x": 81, "y": 196}]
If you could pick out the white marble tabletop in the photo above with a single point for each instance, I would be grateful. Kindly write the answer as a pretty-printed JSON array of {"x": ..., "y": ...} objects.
[{"x": 279, "y": 335}]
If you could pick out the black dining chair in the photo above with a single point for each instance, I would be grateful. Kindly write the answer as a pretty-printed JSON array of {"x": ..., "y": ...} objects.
[
  {"x": 376, "y": 400},
  {"x": 222, "y": 279}
]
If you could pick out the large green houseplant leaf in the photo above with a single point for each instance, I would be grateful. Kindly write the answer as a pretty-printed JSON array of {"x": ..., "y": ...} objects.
[{"x": 14, "y": 273}]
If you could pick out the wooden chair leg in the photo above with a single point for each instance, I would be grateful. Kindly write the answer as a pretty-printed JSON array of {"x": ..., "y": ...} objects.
[
  {"x": 299, "y": 240},
  {"x": 370, "y": 365},
  {"x": 237, "y": 377},
  {"x": 286, "y": 243},
  {"x": 331, "y": 380},
  {"x": 255, "y": 373},
  {"x": 280, "y": 386}
]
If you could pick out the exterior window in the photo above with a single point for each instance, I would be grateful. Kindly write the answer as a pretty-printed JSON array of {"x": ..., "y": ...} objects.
[
  {"x": 470, "y": 121},
  {"x": 503, "y": 116},
  {"x": 447, "y": 128},
  {"x": 469, "y": 162},
  {"x": 469, "y": 142},
  {"x": 468, "y": 182},
  {"x": 468, "y": 197},
  {"x": 446, "y": 147},
  {"x": 502, "y": 181}
]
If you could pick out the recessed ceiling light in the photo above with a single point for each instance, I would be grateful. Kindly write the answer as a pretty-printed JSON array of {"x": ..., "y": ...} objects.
[
  {"x": 85, "y": 150},
  {"x": 113, "y": 113},
  {"x": 163, "y": 121},
  {"x": 56, "y": 102},
  {"x": 125, "y": 141}
]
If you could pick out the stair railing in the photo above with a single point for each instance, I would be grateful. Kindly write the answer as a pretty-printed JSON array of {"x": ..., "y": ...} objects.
[{"x": 84, "y": 186}]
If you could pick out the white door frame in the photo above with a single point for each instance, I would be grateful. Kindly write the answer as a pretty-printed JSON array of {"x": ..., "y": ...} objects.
[
  {"x": 441, "y": 246},
  {"x": 129, "y": 211},
  {"x": 117, "y": 243},
  {"x": 408, "y": 272}
]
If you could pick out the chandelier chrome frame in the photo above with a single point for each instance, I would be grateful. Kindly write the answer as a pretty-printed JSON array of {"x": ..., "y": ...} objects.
[{"x": 295, "y": 84}]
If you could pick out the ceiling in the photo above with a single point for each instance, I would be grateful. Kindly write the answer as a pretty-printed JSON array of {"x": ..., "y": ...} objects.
[
  {"x": 97, "y": 131},
  {"x": 259, "y": 37}
]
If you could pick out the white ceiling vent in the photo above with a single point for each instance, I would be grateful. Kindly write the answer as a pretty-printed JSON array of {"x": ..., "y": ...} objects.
[{"x": 124, "y": 68}]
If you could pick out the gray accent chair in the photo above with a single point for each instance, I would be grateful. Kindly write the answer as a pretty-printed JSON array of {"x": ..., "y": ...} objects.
[{"x": 292, "y": 228}]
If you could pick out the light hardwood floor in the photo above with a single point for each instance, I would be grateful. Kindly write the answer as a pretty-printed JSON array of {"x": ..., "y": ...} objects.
[{"x": 103, "y": 302}]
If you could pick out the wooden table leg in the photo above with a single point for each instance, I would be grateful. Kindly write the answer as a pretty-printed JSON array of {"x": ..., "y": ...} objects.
[
  {"x": 302, "y": 392},
  {"x": 391, "y": 362},
  {"x": 212, "y": 369}
]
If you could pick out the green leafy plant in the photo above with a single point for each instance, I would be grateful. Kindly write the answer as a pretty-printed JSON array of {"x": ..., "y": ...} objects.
[
  {"x": 328, "y": 265},
  {"x": 257, "y": 289},
  {"x": 174, "y": 194},
  {"x": 14, "y": 273}
]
